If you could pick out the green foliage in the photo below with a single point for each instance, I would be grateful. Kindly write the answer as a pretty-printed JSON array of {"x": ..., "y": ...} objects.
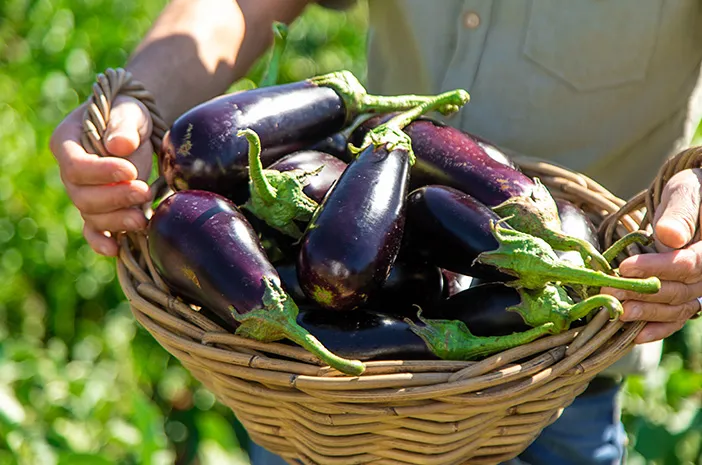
[{"x": 80, "y": 381}]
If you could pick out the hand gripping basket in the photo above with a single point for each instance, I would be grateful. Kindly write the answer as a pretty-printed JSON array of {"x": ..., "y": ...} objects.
[{"x": 398, "y": 412}]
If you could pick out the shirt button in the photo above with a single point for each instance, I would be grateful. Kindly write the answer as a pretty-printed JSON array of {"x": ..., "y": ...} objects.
[{"x": 471, "y": 20}]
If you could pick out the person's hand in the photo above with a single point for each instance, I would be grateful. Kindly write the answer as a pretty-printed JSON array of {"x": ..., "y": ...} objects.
[
  {"x": 678, "y": 264},
  {"x": 107, "y": 190}
]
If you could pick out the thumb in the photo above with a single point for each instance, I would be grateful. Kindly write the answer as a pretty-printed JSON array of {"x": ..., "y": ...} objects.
[
  {"x": 678, "y": 215},
  {"x": 129, "y": 125}
]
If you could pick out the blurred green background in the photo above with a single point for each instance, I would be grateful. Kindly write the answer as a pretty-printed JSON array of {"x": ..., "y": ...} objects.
[{"x": 80, "y": 382}]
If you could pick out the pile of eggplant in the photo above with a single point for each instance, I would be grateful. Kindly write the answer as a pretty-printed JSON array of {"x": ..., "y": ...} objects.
[{"x": 362, "y": 228}]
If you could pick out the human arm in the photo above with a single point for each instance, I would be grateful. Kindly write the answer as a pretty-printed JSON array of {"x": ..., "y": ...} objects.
[{"x": 194, "y": 51}]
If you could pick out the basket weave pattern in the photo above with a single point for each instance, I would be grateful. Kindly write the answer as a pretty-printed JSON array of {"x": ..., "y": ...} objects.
[{"x": 397, "y": 412}]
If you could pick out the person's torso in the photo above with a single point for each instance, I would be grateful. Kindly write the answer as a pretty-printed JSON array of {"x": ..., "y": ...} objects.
[{"x": 604, "y": 87}]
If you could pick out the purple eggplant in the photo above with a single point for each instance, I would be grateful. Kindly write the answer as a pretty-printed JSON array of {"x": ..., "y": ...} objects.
[
  {"x": 458, "y": 233},
  {"x": 410, "y": 283},
  {"x": 576, "y": 223},
  {"x": 450, "y": 229},
  {"x": 355, "y": 235},
  {"x": 352, "y": 242},
  {"x": 202, "y": 150},
  {"x": 206, "y": 251},
  {"x": 309, "y": 161},
  {"x": 364, "y": 334}
]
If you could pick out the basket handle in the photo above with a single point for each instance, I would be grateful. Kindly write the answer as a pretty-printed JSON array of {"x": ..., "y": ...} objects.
[
  {"x": 650, "y": 199},
  {"x": 109, "y": 85}
]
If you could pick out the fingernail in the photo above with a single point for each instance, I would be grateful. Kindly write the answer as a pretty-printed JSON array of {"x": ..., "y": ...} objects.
[{"x": 104, "y": 250}]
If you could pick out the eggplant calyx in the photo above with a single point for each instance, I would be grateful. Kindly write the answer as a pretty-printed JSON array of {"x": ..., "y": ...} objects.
[
  {"x": 277, "y": 197},
  {"x": 277, "y": 319},
  {"x": 635, "y": 237},
  {"x": 534, "y": 263},
  {"x": 550, "y": 304},
  {"x": 452, "y": 340},
  {"x": 537, "y": 214}
]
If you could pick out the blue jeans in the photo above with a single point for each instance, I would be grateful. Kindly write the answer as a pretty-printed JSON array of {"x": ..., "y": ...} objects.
[{"x": 589, "y": 432}]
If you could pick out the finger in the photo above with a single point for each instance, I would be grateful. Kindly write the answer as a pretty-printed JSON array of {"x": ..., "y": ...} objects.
[
  {"x": 671, "y": 292},
  {"x": 128, "y": 219},
  {"x": 82, "y": 168},
  {"x": 128, "y": 126},
  {"x": 683, "y": 265},
  {"x": 657, "y": 331},
  {"x": 648, "y": 311},
  {"x": 142, "y": 159},
  {"x": 677, "y": 216},
  {"x": 108, "y": 198},
  {"x": 99, "y": 242}
]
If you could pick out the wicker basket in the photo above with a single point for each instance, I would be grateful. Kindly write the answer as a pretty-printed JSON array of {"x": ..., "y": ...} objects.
[{"x": 398, "y": 412}]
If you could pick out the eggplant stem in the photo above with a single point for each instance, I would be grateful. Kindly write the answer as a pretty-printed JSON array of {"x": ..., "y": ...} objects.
[
  {"x": 585, "y": 307},
  {"x": 280, "y": 35},
  {"x": 534, "y": 263},
  {"x": 357, "y": 100},
  {"x": 277, "y": 319},
  {"x": 263, "y": 188},
  {"x": 390, "y": 133},
  {"x": 636, "y": 237},
  {"x": 452, "y": 340}
]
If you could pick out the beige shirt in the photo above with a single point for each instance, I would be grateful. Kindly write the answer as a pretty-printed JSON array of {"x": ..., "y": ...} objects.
[{"x": 607, "y": 88}]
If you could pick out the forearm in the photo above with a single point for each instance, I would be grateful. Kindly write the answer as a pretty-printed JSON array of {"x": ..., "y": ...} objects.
[{"x": 197, "y": 48}]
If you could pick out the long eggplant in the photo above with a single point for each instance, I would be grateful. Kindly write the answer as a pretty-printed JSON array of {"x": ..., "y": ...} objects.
[
  {"x": 450, "y": 229},
  {"x": 202, "y": 150},
  {"x": 455, "y": 158},
  {"x": 207, "y": 252},
  {"x": 364, "y": 334},
  {"x": 576, "y": 223},
  {"x": 458, "y": 233},
  {"x": 310, "y": 161},
  {"x": 355, "y": 235}
]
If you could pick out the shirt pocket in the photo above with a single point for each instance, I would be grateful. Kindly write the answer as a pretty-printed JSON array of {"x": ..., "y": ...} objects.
[{"x": 593, "y": 44}]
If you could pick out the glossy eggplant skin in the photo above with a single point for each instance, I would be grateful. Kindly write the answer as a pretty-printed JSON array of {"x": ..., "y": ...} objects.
[
  {"x": 309, "y": 160},
  {"x": 206, "y": 251},
  {"x": 483, "y": 309},
  {"x": 364, "y": 334},
  {"x": 451, "y": 157},
  {"x": 353, "y": 240},
  {"x": 336, "y": 145},
  {"x": 450, "y": 229},
  {"x": 201, "y": 150},
  {"x": 409, "y": 283},
  {"x": 455, "y": 283},
  {"x": 287, "y": 271},
  {"x": 576, "y": 223}
]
